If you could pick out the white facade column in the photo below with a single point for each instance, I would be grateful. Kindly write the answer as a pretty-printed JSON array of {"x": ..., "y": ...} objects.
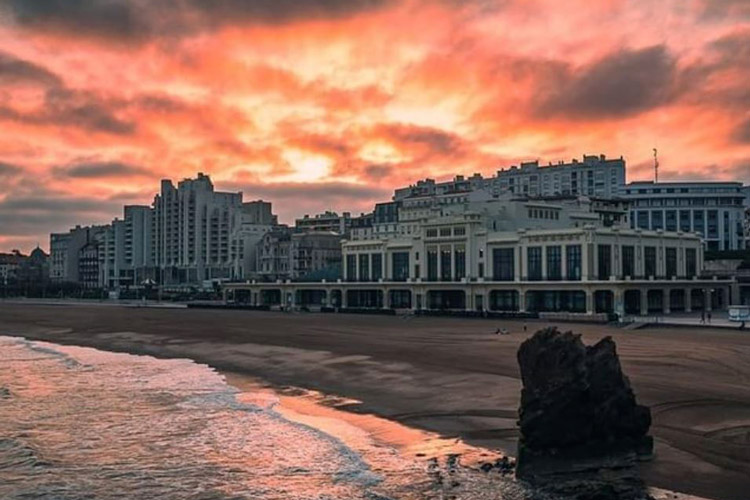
[
  {"x": 688, "y": 300},
  {"x": 619, "y": 302},
  {"x": 544, "y": 261},
  {"x": 644, "y": 301},
  {"x": 386, "y": 298},
  {"x": 589, "y": 302},
  {"x": 521, "y": 300},
  {"x": 666, "y": 301},
  {"x": 564, "y": 262},
  {"x": 585, "y": 261}
]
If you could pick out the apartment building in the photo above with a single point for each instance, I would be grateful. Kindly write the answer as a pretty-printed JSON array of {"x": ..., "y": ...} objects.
[{"x": 714, "y": 210}]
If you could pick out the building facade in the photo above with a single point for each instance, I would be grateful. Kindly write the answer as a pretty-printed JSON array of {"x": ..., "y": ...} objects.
[
  {"x": 252, "y": 222},
  {"x": 517, "y": 255},
  {"x": 595, "y": 176},
  {"x": 65, "y": 252},
  {"x": 192, "y": 231},
  {"x": 11, "y": 265},
  {"x": 329, "y": 222},
  {"x": 714, "y": 210}
]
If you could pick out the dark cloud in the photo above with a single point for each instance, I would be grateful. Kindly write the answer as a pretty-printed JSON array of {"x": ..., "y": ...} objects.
[
  {"x": 378, "y": 171},
  {"x": 81, "y": 109},
  {"x": 733, "y": 48},
  {"x": 737, "y": 171},
  {"x": 105, "y": 18},
  {"x": 43, "y": 212},
  {"x": 141, "y": 19},
  {"x": 14, "y": 70},
  {"x": 622, "y": 84},
  {"x": 722, "y": 9},
  {"x": 741, "y": 133},
  {"x": 438, "y": 141},
  {"x": 8, "y": 170},
  {"x": 96, "y": 170}
]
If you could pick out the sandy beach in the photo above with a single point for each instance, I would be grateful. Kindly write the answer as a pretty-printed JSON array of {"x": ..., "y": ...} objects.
[{"x": 450, "y": 376}]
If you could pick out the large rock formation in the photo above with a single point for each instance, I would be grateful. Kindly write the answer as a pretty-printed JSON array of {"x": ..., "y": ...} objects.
[{"x": 582, "y": 431}]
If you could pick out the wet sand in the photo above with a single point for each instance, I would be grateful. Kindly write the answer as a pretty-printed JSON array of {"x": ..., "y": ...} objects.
[{"x": 451, "y": 376}]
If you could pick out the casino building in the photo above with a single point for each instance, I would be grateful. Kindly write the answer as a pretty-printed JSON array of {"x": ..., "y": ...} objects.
[{"x": 483, "y": 251}]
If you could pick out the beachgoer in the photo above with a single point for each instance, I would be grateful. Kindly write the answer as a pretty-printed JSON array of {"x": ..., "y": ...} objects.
[{"x": 703, "y": 317}]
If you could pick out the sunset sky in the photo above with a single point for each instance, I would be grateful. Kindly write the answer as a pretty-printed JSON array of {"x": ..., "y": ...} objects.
[{"x": 330, "y": 104}]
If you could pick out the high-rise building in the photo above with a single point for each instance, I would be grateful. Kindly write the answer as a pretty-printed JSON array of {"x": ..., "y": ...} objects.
[{"x": 192, "y": 231}]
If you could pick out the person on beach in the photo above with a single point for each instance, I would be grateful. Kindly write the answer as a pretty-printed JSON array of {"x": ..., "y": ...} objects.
[{"x": 703, "y": 317}]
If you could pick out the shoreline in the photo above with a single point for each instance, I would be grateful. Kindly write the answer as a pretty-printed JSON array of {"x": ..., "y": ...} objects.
[{"x": 445, "y": 376}]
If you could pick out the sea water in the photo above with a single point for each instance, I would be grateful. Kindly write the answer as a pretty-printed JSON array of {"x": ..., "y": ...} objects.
[{"x": 78, "y": 423}]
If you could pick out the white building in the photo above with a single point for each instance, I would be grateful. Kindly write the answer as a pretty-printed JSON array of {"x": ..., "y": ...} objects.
[
  {"x": 192, "y": 231},
  {"x": 595, "y": 176},
  {"x": 64, "y": 252},
  {"x": 252, "y": 222},
  {"x": 329, "y": 222},
  {"x": 515, "y": 255},
  {"x": 715, "y": 210}
]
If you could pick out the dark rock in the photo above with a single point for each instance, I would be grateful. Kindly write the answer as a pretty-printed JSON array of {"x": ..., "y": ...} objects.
[{"x": 581, "y": 428}]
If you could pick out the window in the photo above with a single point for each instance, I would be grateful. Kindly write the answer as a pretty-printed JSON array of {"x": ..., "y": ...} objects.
[
  {"x": 699, "y": 222},
  {"x": 573, "y": 261},
  {"x": 691, "y": 262},
  {"x": 503, "y": 268},
  {"x": 604, "y": 259},
  {"x": 445, "y": 231},
  {"x": 431, "y": 233},
  {"x": 685, "y": 221},
  {"x": 649, "y": 261},
  {"x": 377, "y": 266},
  {"x": 670, "y": 262},
  {"x": 642, "y": 219},
  {"x": 459, "y": 257},
  {"x": 534, "y": 257},
  {"x": 657, "y": 220},
  {"x": 364, "y": 267},
  {"x": 459, "y": 231},
  {"x": 432, "y": 266},
  {"x": 445, "y": 264},
  {"x": 400, "y": 264},
  {"x": 351, "y": 268},
  {"x": 554, "y": 263},
  {"x": 670, "y": 220},
  {"x": 628, "y": 260}
]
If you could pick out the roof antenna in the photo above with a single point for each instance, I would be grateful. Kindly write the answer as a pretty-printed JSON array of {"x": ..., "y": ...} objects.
[{"x": 656, "y": 165}]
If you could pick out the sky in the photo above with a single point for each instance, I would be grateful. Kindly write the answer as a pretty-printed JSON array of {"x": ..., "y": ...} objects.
[{"x": 331, "y": 104}]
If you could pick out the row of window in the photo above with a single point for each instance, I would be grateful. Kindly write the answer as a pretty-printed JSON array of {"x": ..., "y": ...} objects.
[
  {"x": 539, "y": 213},
  {"x": 445, "y": 232}
]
